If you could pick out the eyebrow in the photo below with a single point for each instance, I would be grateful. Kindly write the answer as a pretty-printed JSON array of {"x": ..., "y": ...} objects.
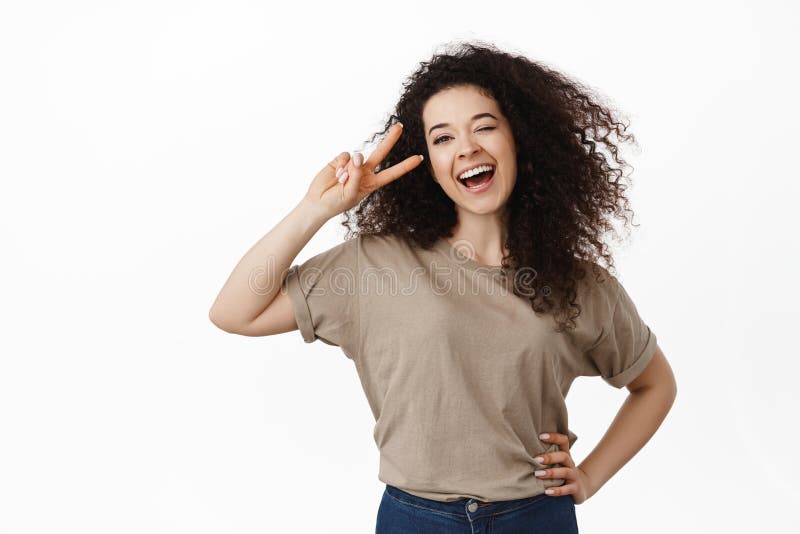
[{"x": 474, "y": 118}]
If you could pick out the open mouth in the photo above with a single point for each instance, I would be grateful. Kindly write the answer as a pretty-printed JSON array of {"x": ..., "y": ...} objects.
[{"x": 478, "y": 182}]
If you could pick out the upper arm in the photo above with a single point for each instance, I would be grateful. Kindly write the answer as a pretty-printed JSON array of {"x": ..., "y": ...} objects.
[
  {"x": 277, "y": 318},
  {"x": 657, "y": 373}
]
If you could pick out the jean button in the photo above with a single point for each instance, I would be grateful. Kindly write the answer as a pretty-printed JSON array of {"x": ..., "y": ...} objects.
[{"x": 472, "y": 507}]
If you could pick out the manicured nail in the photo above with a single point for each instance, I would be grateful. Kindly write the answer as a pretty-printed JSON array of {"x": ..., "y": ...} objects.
[
  {"x": 343, "y": 177},
  {"x": 544, "y": 436},
  {"x": 540, "y": 473},
  {"x": 539, "y": 459},
  {"x": 357, "y": 159},
  {"x": 421, "y": 157},
  {"x": 400, "y": 123},
  {"x": 549, "y": 491},
  {"x": 339, "y": 171}
]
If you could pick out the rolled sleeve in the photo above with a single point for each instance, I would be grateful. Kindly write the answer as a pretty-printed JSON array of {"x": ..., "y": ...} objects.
[
  {"x": 626, "y": 344},
  {"x": 301, "y": 312},
  {"x": 324, "y": 293}
]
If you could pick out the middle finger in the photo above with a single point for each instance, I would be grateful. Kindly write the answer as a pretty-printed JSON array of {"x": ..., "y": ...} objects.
[
  {"x": 380, "y": 153},
  {"x": 556, "y": 472},
  {"x": 557, "y": 457}
]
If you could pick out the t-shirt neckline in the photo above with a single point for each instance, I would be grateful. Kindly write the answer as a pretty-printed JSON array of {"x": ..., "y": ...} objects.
[{"x": 460, "y": 259}]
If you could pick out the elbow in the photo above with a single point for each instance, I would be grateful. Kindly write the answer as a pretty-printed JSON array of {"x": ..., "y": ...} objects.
[
  {"x": 218, "y": 321},
  {"x": 668, "y": 390},
  {"x": 669, "y": 384},
  {"x": 214, "y": 318},
  {"x": 657, "y": 376},
  {"x": 672, "y": 394},
  {"x": 663, "y": 387},
  {"x": 674, "y": 389}
]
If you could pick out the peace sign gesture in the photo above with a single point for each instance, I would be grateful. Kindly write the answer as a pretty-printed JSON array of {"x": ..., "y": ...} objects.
[{"x": 332, "y": 195}]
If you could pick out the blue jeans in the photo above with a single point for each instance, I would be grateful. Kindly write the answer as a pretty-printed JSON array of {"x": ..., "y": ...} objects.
[{"x": 403, "y": 513}]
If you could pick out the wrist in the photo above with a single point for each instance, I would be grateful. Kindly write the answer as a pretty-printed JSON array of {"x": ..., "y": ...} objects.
[
  {"x": 591, "y": 485},
  {"x": 311, "y": 212}
]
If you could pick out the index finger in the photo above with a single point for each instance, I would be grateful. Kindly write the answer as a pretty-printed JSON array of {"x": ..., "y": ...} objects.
[
  {"x": 396, "y": 171},
  {"x": 380, "y": 153},
  {"x": 562, "y": 440}
]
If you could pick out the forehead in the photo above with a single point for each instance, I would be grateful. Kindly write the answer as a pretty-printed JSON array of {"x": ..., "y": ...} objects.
[{"x": 457, "y": 103}]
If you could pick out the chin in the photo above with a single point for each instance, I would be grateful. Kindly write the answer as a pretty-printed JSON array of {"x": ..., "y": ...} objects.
[{"x": 482, "y": 210}]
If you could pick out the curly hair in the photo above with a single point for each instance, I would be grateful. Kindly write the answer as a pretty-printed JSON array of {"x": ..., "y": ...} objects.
[{"x": 566, "y": 194}]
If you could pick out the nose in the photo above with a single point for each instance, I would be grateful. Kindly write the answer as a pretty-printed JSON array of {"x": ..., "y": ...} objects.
[{"x": 468, "y": 147}]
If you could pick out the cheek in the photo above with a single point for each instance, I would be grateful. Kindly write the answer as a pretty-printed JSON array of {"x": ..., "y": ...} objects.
[{"x": 440, "y": 169}]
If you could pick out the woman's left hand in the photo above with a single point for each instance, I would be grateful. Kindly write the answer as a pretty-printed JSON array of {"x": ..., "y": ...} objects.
[{"x": 577, "y": 482}]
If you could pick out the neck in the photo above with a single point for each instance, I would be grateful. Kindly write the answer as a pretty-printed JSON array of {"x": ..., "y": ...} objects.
[{"x": 485, "y": 234}]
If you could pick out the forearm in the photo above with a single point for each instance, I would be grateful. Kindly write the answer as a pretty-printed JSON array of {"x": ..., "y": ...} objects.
[
  {"x": 257, "y": 277},
  {"x": 637, "y": 420}
]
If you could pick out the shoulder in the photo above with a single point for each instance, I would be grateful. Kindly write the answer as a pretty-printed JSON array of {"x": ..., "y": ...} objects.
[
  {"x": 596, "y": 295},
  {"x": 385, "y": 249},
  {"x": 597, "y": 285},
  {"x": 370, "y": 248},
  {"x": 381, "y": 240}
]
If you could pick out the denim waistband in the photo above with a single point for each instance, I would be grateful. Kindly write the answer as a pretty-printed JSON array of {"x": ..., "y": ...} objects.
[{"x": 465, "y": 507}]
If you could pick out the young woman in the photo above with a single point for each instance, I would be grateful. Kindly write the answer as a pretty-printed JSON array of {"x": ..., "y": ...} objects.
[{"x": 469, "y": 295}]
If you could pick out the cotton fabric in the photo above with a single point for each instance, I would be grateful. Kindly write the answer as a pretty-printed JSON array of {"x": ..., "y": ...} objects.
[{"x": 461, "y": 375}]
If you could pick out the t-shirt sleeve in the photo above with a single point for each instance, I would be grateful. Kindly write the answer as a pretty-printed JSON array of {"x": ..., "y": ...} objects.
[
  {"x": 323, "y": 291},
  {"x": 625, "y": 345}
]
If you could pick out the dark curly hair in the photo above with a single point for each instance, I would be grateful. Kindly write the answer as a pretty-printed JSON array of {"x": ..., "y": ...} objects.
[{"x": 566, "y": 192}]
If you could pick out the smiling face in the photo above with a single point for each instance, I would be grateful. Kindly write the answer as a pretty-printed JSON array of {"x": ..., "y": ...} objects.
[{"x": 465, "y": 128}]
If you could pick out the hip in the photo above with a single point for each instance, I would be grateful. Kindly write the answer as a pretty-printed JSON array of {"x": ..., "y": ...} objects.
[{"x": 402, "y": 512}]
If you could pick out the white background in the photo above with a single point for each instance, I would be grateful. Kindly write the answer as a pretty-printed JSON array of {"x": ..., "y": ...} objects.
[{"x": 145, "y": 146}]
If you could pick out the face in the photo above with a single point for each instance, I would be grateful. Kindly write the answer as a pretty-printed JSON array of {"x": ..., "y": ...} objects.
[{"x": 464, "y": 128}]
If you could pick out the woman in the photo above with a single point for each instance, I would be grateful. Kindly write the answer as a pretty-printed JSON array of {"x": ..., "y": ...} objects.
[{"x": 469, "y": 295}]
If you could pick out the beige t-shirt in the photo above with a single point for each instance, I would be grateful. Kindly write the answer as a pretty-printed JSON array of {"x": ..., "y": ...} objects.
[{"x": 461, "y": 375}]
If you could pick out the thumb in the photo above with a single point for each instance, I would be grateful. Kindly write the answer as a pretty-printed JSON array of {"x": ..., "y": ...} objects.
[
  {"x": 326, "y": 177},
  {"x": 339, "y": 161}
]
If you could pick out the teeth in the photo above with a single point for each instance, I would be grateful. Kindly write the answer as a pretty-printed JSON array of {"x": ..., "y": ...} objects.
[{"x": 473, "y": 172}]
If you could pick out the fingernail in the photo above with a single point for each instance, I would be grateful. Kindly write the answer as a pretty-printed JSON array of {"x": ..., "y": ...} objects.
[
  {"x": 549, "y": 491},
  {"x": 544, "y": 436},
  {"x": 339, "y": 171},
  {"x": 540, "y": 473},
  {"x": 343, "y": 177},
  {"x": 421, "y": 157},
  {"x": 400, "y": 123},
  {"x": 539, "y": 459},
  {"x": 357, "y": 160}
]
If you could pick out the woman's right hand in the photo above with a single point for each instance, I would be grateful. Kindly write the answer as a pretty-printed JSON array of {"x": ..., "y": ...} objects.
[{"x": 325, "y": 192}]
